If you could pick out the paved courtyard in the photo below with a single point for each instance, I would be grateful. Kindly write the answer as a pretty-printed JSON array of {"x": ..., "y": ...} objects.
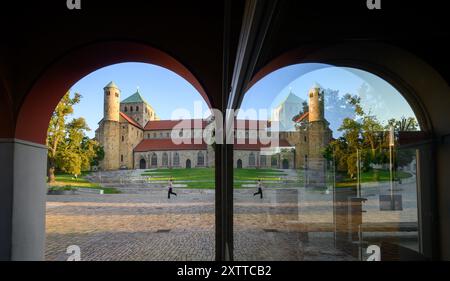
[
  {"x": 143, "y": 224},
  {"x": 140, "y": 227}
]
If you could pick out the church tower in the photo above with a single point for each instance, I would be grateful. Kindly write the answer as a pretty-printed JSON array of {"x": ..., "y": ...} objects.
[
  {"x": 319, "y": 136},
  {"x": 316, "y": 104},
  {"x": 111, "y": 102},
  {"x": 110, "y": 136}
]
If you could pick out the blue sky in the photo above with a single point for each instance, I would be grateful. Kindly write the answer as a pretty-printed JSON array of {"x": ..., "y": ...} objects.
[
  {"x": 166, "y": 91},
  {"x": 163, "y": 89},
  {"x": 381, "y": 99}
]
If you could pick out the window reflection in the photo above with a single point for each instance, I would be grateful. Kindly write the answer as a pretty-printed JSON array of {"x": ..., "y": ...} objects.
[{"x": 339, "y": 187}]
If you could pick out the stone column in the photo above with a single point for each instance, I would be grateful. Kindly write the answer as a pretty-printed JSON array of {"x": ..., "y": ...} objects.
[{"x": 22, "y": 200}]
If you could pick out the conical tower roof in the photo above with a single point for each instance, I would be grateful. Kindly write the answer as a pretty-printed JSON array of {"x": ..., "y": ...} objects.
[
  {"x": 316, "y": 86},
  {"x": 111, "y": 85}
]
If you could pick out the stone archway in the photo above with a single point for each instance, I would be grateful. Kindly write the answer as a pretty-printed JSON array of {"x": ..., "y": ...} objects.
[
  {"x": 29, "y": 138},
  {"x": 285, "y": 164},
  {"x": 55, "y": 82},
  {"x": 188, "y": 163}
]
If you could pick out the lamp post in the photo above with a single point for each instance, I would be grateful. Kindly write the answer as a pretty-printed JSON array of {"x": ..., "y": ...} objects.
[
  {"x": 358, "y": 176},
  {"x": 334, "y": 197},
  {"x": 391, "y": 147}
]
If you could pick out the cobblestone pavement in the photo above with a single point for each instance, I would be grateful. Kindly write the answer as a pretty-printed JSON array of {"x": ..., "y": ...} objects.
[
  {"x": 145, "y": 227},
  {"x": 148, "y": 226}
]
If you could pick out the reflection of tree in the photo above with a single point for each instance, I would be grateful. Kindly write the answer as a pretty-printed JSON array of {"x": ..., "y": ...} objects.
[
  {"x": 337, "y": 108},
  {"x": 370, "y": 97},
  {"x": 403, "y": 156},
  {"x": 366, "y": 134}
]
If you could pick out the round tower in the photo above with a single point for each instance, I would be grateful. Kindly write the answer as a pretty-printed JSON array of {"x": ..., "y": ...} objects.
[
  {"x": 316, "y": 104},
  {"x": 111, "y": 105},
  {"x": 110, "y": 139}
]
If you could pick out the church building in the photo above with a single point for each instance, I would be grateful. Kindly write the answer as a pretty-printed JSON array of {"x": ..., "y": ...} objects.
[{"x": 134, "y": 137}]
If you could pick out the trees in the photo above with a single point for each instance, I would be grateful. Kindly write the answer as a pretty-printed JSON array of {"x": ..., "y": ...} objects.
[
  {"x": 57, "y": 131},
  {"x": 69, "y": 149},
  {"x": 367, "y": 135}
]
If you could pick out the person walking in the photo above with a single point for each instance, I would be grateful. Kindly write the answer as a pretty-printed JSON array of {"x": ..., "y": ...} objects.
[
  {"x": 260, "y": 192},
  {"x": 170, "y": 188}
]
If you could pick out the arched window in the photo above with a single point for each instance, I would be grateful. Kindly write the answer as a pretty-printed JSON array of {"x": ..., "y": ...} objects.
[
  {"x": 165, "y": 160},
  {"x": 262, "y": 160},
  {"x": 251, "y": 159},
  {"x": 137, "y": 108},
  {"x": 176, "y": 159},
  {"x": 154, "y": 160},
  {"x": 125, "y": 109},
  {"x": 200, "y": 159},
  {"x": 131, "y": 108}
]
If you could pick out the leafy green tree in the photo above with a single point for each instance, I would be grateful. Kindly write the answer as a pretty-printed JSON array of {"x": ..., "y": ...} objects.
[
  {"x": 369, "y": 137},
  {"x": 405, "y": 124},
  {"x": 99, "y": 155},
  {"x": 70, "y": 150},
  {"x": 57, "y": 131}
]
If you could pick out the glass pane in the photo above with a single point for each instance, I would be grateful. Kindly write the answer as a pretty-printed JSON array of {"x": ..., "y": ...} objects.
[{"x": 333, "y": 183}]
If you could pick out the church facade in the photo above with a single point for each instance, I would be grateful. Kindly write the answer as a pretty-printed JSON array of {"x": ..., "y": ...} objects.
[{"x": 134, "y": 137}]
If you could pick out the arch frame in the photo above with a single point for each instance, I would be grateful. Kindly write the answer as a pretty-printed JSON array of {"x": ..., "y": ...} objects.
[
  {"x": 58, "y": 77},
  {"x": 388, "y": 62}
]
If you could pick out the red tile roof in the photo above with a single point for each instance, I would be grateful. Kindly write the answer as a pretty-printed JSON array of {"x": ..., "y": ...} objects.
[
  {"x": 238, "y": 124},
  {"x": 258, "y": 145},
  {"x": 131, "y": 121},
  {"x": 168, "y": 144},
  {"x": 169, "y": 124},
  {"x": 251, "y": 124},
  {"x": 302, "y": 117}
]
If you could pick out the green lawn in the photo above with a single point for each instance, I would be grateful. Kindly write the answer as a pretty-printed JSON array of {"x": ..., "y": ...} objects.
[
  {"x": 373, "y": 176},
  {"x": 204, "y": 177},
  {"x": 66, "y": 180}
]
